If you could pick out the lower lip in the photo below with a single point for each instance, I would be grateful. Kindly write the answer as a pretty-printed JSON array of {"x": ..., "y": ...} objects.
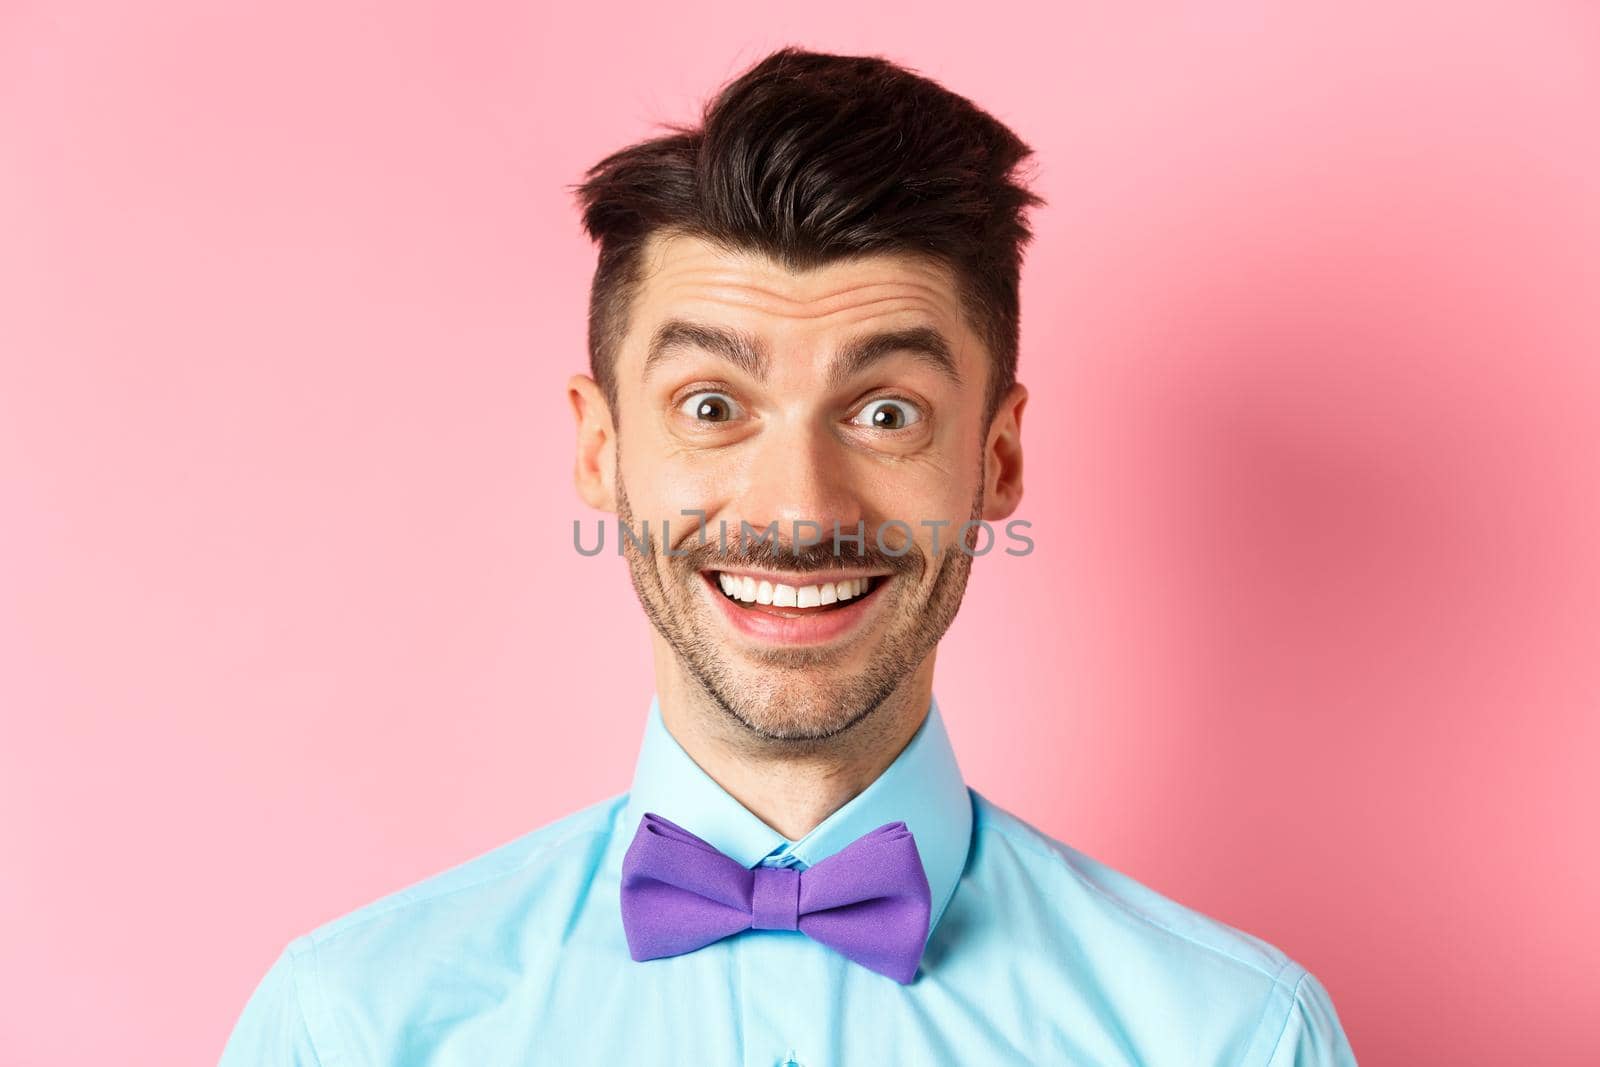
[{"x": 812, "y": 628}]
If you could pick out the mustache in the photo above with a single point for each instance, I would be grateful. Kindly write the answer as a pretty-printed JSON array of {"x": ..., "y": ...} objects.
[{"x": 789, "y": 556}]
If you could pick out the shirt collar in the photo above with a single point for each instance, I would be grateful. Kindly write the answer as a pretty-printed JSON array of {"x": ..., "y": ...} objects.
[{"x": 923, "y": 788}]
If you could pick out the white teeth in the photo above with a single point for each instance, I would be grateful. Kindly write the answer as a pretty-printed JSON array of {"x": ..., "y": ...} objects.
[{"x": 750, "y": 590}]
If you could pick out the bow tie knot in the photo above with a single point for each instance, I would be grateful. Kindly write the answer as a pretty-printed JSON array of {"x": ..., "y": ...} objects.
[
  {"x": 869, "y": 901},
  {"x": 775, "y": 899}
]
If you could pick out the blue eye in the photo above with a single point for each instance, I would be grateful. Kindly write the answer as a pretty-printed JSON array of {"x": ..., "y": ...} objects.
[
  {"x": 888, "y": 414},
  {"x": 707, "y": 406}
]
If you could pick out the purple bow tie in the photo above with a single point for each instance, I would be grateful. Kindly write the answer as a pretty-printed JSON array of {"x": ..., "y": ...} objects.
[{"x": 869, "y": 901}]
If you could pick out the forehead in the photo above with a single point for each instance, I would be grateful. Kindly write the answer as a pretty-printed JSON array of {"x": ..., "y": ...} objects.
[{"x": 683, "y": 275}]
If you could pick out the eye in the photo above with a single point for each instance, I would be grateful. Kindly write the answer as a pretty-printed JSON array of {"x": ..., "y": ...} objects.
[
  {"x": 888, "y": 414},
  {"x": 707, "y": 406}
]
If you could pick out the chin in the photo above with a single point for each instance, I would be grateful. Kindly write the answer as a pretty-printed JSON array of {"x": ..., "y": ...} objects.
[{"x": 788, "y": 717}]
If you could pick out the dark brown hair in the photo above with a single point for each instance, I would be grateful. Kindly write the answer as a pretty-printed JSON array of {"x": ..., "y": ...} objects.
[{"x": 811, "y": 158}]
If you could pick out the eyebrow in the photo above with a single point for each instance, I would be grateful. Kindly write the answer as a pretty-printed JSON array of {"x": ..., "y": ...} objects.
[
  {"x": 926, "y": 344},
  {"x": 676, "y": 335}
]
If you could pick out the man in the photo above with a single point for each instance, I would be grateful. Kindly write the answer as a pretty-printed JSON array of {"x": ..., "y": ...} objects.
[{"x": 803, "y": 322}]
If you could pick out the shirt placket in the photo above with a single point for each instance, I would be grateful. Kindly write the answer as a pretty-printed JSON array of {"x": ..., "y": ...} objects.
[{"x": 772, "y": 964}]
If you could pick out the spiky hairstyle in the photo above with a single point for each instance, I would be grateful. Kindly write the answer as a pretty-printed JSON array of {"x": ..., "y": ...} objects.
[{"x": 811, "y": 158}]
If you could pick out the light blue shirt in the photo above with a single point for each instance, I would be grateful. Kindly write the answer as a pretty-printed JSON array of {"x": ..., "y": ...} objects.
[{"x": 1036, "y": 954}]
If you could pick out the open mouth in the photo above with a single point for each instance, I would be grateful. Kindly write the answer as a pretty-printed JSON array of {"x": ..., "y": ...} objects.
[
  {"x": 815, "y": 610},
  {"x": 782, "y": 598}
]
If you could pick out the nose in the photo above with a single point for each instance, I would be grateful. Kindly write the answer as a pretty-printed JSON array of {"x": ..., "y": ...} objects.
[{"x": 799, "y": 475}]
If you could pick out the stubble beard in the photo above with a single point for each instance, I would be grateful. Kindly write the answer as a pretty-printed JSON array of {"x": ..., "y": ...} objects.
[{"x": 795, "y": 693}]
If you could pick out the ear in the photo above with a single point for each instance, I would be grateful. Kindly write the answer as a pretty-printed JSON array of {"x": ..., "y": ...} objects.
[
  {"x": 597, "y": 441},
  {"x": 1002, "y": 491}
]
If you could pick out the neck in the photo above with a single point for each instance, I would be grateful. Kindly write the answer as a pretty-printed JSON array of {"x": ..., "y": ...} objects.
[{"x": 790, "y": 785}]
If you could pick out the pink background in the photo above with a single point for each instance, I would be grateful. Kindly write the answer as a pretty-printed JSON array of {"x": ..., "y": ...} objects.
[{"x": 289, "y": 616}]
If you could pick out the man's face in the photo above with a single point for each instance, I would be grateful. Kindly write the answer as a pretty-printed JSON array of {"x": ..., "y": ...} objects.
[{"x": 843, "y": 397}]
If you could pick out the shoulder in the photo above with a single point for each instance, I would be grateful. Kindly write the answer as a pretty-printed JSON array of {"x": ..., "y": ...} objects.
[
  {"x": 1152, "y": 963},
  {"x": 1098, "y": 889},
  {"x": 549, "y": 865},
  {"x": 380, "y": 961}
]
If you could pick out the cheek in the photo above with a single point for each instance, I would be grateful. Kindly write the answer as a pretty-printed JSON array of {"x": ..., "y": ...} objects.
[
  {"x": 921, "y": 493},
  {"x": 663, "y": 481}
]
